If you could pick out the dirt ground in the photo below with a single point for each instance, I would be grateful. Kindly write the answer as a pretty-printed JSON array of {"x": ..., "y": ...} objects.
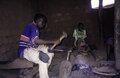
[{"x": 54, "y": 67}]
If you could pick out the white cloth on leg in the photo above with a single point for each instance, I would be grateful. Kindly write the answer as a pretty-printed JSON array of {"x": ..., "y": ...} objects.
[{"x": 32, "y": 54}]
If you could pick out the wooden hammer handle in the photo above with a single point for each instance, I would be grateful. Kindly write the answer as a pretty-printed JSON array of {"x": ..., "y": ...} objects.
[{"x": 61, "y": 38}]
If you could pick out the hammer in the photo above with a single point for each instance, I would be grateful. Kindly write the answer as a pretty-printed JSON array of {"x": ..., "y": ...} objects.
[{"x": 64, "y": 35}]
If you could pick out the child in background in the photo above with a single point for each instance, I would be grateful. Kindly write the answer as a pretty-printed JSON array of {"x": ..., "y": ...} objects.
[{"x": 79, "y": 35}]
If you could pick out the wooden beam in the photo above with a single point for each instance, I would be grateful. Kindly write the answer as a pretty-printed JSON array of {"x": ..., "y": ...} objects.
[
  {"x": 117, "y": 34},
  {"x": 100, "y": 13},
  {"x": 17, "y": 64}
]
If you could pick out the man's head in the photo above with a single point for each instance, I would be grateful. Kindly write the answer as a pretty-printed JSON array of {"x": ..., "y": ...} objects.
[{"x": 40, "y": 20}]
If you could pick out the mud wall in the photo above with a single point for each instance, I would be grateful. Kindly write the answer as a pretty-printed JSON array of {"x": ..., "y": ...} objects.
[
  {"x": 13, "y": 15},
  {"x": 63, "y": 15}
]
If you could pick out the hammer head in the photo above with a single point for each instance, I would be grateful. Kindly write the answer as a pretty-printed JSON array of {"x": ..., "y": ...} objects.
[{"x": 65, "y": 34}]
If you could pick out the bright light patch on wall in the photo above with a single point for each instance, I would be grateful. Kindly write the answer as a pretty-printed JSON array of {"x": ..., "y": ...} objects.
[
  {"x": 108, "y": 2},
  {"x": 94, "y": 4},
  {"x": 105, "y": 4}
]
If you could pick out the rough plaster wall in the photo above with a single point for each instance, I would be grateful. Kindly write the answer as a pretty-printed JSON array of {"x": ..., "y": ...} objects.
[
  {"x": 108, "y": 21},
  {"x": 63, "y": 15},
  {"x": 13, "y": 15}
]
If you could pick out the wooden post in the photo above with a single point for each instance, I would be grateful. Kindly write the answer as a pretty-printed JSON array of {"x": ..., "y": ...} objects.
[
  {"x": 100, "y": 22},
  {"x": 117, "y": 34}
]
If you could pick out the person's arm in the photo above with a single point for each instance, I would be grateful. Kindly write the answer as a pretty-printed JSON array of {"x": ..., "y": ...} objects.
[
  {"x": 85, "y": 35},
  {"x": 42, "y": 41},
  {"x": 75, "y": 35}
]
